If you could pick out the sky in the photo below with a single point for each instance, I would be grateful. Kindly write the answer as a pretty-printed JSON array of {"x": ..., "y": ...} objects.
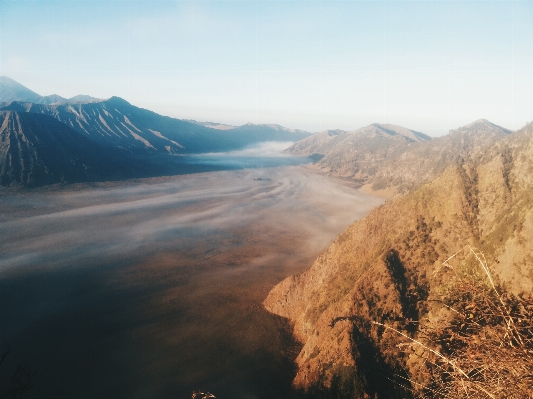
[{"x": 426, "y": 65}]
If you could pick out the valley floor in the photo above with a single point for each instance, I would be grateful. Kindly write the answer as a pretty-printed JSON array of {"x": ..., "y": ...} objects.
[{"x": 153, "y": 288}]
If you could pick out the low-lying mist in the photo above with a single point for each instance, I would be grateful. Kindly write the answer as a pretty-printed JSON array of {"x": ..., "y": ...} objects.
[
  {"x": 264, "y": 149},
  {"x": 262, "y": 155},
  {"x": 153, "y": 288}
]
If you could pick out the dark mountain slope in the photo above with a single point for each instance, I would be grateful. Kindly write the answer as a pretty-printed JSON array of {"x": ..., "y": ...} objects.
[
  {"x": 260, "y": 132},
  {"x": 388, "y": 267},
  {"x": 37, "y": 150},
  {"x": 267, "y": 132},
  {"x": 117, "y": 123}
]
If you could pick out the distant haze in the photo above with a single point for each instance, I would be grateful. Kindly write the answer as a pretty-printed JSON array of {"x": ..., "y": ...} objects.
[
  {"x": 264, "y": 149},
  {"x": 430, "y": 66}
]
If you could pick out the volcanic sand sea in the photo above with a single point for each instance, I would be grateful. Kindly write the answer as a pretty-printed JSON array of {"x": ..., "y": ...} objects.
[{"x": 153, "y": 288}]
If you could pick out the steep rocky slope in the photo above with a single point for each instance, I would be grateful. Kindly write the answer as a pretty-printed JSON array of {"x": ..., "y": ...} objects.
[
  {"x": 394, "y": 164},
  {"x": 37, "y": 149},
  {"x": 117, "y": 123},
  {"x": 424, "y": 162},
  {"x": 358, "y": 154},
  {"x": 383, "y": 268}
]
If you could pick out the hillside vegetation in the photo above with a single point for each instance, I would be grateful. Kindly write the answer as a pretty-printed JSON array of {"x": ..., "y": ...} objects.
[
  {"x": 381, "y": 283},
  {"x": 390, "y": 160}
]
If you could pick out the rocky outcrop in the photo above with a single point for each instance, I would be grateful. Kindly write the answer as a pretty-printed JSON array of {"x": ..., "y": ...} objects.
[{"x": 383, "y": 268}]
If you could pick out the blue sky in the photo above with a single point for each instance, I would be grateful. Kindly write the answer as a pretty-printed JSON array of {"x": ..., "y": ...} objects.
[{"x": 427, "y": 65}]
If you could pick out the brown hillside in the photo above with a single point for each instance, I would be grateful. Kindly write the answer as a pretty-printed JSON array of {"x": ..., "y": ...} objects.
[
  {"x": 391, "y": 160},
  {"x": 382, "y": 268}
]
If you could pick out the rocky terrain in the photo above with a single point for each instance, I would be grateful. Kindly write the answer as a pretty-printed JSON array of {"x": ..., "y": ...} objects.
[
  {"x": 386, "y": 270},
  {"x": 117, "y": 123},
  {"x": 114, "y": 138},
  {"x": 36, "y": 149},
  {"x": 391, "y": 160}
]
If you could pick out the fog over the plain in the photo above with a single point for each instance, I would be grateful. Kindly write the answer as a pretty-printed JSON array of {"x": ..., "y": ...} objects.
[
  {"x": 154, "y": 287},
  {"x": 261, "y": 150}
]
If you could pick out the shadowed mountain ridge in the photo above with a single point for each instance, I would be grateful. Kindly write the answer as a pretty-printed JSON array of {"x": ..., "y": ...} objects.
[
  {"x": 117, "y": 123},
  {"x": 37, "y": 149}
]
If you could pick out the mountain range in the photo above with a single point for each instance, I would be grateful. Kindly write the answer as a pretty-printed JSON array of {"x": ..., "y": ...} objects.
[
  {"x": 10, "y": 90},
  {"x": 391, "y": 160},
  {"x": 116, "y": 124},
  {"x": 379, "y": 287}
]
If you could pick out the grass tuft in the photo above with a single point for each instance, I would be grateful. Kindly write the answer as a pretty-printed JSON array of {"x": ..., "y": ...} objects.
[{"x": 484, "y": 349}]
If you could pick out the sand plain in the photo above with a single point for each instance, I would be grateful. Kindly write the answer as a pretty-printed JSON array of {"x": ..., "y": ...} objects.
[{"x": 153, "y": 288}]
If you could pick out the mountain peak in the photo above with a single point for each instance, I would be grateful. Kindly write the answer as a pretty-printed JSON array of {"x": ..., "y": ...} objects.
[
  {"x": 11, "y": 90},
  {"x": 83, "y": 98},
  {"x": 7, "y": 81},
  {"x": 483, "y": 125},
  {"x": 390, "y": 130},
  {"x": 52, "y": 99},
  {"x": 117, "y": 100}
]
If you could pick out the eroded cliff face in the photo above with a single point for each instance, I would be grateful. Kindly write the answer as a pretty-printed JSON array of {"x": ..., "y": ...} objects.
[
  {"x": 37, "y": 149},
  {"x": 387, "y": 268}
]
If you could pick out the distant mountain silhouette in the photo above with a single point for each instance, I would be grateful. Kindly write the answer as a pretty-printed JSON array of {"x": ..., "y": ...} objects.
[
  {"x": 11, "y": 90},
  {"x": 52, "y": 99},
  {"x": 83, "y": 98}
]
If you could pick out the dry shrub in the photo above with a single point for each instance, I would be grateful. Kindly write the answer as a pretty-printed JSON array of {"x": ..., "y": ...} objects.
[
  {"x": 202, "y": 395},
  {"x": 485, "y": 348}
]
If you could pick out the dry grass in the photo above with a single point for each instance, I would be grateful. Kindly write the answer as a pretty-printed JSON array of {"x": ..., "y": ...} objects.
[
  {"x": 202, "y": 395},
  {"x": 484, "y": 349}
]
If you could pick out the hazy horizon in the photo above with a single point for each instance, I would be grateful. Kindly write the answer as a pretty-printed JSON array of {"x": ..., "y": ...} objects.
[{"x": 430, "y": 66}]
